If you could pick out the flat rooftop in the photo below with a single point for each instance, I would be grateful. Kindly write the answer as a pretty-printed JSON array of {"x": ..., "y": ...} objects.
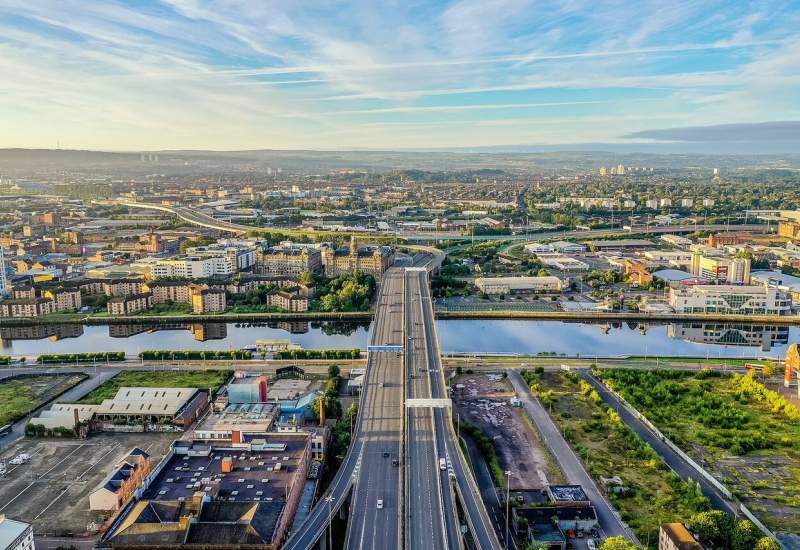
[
  {"x": 568, "y": 493},
  {"x": 255, "y": 475},
  {"x": 245, "y": 417}
]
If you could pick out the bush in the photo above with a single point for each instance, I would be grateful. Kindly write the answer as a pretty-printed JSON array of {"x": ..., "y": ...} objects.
[
  {"x": 354, "y": 353},
  {"x": 196, "y": 355},
  {"x": 89, "y": 357}
]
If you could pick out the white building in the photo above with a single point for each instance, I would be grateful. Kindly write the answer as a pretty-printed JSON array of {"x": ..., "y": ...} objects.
[
  {"x": 507, "y": 285},
  {"x": 15, "y": 535},
  {"x": 676, "y": 240},
  {"x": 687, "y": 203},
  {"x": 664, "y": 203},
  {"x": 708, "y": 202},
  {"x": 539, "y": 248},
  {"x": 566, "y": 247},
  {"x": 729, "y": 299},
  {"x": 241, "y": 257},
  {"x": 193, "y": 267},
  {"x": 651, "y": 203}
]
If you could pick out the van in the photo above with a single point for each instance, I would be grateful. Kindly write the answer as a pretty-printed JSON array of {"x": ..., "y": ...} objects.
[
  {"x": 590, "y": 544},
  {"x": 442, "y": 464},
  {"x": 380, "y": 504}
]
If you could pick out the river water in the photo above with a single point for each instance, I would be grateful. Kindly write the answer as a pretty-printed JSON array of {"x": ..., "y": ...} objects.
[{"x": 468, "y": 336}]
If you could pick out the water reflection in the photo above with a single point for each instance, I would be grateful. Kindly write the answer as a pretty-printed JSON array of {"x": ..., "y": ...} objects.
[
  {"x": 614, "y": 338},
  {"x": 764, "y": 337},
  {"x": 478, "y": 336}
]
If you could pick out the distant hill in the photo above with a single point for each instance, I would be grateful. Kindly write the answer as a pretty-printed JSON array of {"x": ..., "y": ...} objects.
[{"x": 18, "y": 161}]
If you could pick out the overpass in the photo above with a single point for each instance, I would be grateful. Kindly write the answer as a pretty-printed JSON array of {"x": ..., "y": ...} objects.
[
  {"x": 393, "y": 457},
  {"x": 193, "y": 216}
]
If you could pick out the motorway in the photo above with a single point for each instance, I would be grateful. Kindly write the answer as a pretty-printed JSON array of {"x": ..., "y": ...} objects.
[
  {"x": 570, "y": 464},
  {"x": 675, "y": 462},
  {"x": 431, "y": 512},
  {"x": 480, "y": 526},
  {"x": 380, "y": 433},
  {"x": 378, "y": 428}
]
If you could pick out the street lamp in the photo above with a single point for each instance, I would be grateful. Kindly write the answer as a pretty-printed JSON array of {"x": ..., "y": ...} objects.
[
  {"x": 329, "y": 499},
  {"x": 508, "y": 501}
]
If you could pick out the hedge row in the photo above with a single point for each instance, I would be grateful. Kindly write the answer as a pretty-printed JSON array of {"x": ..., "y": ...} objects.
[
  {"x": 199, "y": 355},
  {"x": 354, "y": 353},
  {"x": 89, "y": 357}
]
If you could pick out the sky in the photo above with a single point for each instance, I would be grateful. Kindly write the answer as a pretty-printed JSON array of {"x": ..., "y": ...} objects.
[{"x": 386, "y": 74}]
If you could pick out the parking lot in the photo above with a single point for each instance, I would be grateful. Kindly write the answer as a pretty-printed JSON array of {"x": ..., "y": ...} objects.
[{"x": 51, "y": 490}]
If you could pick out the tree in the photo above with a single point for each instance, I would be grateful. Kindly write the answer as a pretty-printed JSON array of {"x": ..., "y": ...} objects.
[
  {"x": 713, "y": 528},
  {"x": 543, "y": 273},
  {"x": 333, "y": 371},
  {"x": 306, "y": 278},
  {"x": 767, "y": 543},
  {"x": 617, "y": 543},
  {"x": 769, "y": 369},
  {"x": 745, "y": 535}
]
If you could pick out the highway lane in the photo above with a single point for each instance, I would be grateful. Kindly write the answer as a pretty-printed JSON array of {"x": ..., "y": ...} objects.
[
  {"x": 569, "y": 462},
  {"x": 430, "y": 510},
  {"x": 362, "y": 465},
  {"x": 480, "y": 525},
  {"x": 378, "y": 479}
]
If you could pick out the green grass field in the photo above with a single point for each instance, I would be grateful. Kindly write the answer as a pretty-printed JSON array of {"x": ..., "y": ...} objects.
[
  {"x": 746, "y": 435},
  {"x": 653, "y": 495},
  {"x": 20, "y": 396},
  {"x": 207, "y": 379}
]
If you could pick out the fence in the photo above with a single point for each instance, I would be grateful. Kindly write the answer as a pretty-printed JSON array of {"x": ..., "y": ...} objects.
[{"x": 695, "y": 466}]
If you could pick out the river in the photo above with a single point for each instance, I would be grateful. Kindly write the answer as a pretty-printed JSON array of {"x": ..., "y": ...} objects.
[{"x": 466, "y": 336}]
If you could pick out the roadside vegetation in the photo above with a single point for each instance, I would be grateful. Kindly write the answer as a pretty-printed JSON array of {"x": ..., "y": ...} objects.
[
  {"x": 22, "y": 395},
  {"x": 196, "y": 355},
  {"x": 206, "y": 380},
  {"x": 88, "y": 357},
  {"x": 354, "y": 353},
  {"x": 487, "y": 449},
  {"x": 746, "y": 434},
  {"x": 650, "y": 494}
]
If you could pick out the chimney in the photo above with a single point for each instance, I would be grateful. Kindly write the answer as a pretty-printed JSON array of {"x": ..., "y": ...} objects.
[
  {"x": 321, "y": 410},
  {"x": 236, "y": 436},
  {"x": 76, "y": 417},
  {"x": 227, "y": 465},
  {"x": 184, "y": 521},
  {"x": 262, "y": 389}
]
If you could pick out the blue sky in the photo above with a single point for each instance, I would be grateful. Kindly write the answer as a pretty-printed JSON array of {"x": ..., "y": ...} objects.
[{"x": 245, "y": 74}]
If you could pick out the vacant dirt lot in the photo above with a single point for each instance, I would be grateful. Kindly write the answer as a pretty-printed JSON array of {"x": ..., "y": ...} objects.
[{"x": 484, "y": 402}]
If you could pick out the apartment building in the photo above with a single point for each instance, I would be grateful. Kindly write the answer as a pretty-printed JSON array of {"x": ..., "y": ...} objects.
[
  {"x": 127, "y": 305},
  {"x": 64, "y": 299},
  {"x": 26, "y": 307},
  {"x": 208, "y": 300},
  {"x": 730, "y": 299},
  {"x": 240, "y": 258},
  {"x": 177, "y": 292},
  {"x": 193, "y": 267},
  {"x": 290, "y": 301},
  {"x": 288, "y": 261}
]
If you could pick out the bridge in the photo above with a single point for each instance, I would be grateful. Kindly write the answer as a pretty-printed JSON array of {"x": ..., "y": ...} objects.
[{"x": 390, "y": 483}]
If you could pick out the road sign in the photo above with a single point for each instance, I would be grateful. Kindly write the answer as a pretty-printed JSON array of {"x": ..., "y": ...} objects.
[{"x": 395, "y": 349}]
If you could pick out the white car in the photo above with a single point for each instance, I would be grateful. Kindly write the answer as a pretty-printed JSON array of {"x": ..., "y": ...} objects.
[{"x": 380, "y": 504}]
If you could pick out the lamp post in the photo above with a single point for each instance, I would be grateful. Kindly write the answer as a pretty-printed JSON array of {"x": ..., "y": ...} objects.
[
  {"x": 329, "y": 498},
  {"x": 508, "y": 502}
]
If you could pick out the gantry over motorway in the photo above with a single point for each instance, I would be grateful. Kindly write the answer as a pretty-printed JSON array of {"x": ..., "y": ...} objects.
[{"x": 418, "y": 501}]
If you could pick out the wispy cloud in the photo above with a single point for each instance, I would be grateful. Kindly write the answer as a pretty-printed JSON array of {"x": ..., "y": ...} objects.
[{"x": 236, "y": 73}]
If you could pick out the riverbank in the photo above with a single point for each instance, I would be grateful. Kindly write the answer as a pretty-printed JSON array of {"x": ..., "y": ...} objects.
[{"x": 60, "y": 318}]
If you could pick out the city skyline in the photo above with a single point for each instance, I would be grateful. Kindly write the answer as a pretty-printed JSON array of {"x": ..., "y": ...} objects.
[{"x": 180, "y": 74}]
